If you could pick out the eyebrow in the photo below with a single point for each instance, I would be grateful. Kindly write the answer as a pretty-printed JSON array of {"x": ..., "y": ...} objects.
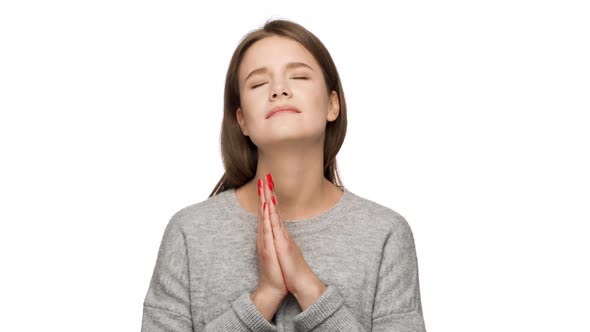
[{"x": 290, "y": 65}]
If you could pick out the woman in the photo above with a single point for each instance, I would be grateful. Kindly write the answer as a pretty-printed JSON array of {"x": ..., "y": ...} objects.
[{"x": 329, "y": 260}]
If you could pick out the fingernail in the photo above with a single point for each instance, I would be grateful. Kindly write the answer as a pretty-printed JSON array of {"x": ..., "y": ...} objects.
[
  {"x": 269, "y": 181},
  {"x": 264, "y": 206},
  {"x": 274, "y": 200},
  {"x": 259, "y": 186}
]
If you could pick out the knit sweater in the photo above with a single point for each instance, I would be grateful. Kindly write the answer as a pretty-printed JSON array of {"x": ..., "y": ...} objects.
[{"x": 206, "y": 269}]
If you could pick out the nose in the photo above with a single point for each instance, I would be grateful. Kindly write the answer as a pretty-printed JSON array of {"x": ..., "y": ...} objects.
[
  {"x": 279, "y": 89},
  {"x": 274, "y": 95}
]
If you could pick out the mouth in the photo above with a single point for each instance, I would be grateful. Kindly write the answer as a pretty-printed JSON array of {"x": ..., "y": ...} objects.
[{"x": 282, "y": 110}]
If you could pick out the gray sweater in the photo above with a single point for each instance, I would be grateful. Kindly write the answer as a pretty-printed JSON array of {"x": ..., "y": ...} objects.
[{"x": 207, "y": 268}]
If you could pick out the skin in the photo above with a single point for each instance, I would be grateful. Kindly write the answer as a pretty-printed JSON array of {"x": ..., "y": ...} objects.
[{"x": 291, "y": 147}]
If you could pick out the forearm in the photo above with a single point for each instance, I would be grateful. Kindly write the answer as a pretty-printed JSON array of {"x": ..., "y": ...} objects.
[
  {"x": 309, "y": 294},
  {"x": 328, "y": 313},
  {"x": 267, "y": 304},
  {"x": 243, "y": 316}
]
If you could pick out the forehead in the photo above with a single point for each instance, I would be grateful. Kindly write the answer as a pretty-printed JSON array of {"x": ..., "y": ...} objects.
[{"x": 274, "y": 52}]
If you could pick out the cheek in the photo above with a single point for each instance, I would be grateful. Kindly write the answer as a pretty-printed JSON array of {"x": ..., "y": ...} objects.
[
  {"x": 249, "y": 104},
  {"x": 257, "y": 95},
  {"x": 318, "y": 101}
]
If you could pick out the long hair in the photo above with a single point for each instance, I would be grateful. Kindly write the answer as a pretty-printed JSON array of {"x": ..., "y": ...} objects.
[{"x": 238, "y": 152}]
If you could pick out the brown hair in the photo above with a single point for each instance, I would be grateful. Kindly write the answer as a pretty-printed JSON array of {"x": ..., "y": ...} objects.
[{"x": 239, "y": 153}]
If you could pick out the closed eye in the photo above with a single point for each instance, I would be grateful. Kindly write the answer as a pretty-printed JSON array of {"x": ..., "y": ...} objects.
[
  {"x": 295, "y": 78},
  {"x": 257, "y": 85}
]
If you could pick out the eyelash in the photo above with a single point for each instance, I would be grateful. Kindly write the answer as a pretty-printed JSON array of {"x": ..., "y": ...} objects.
[{"x": 295, "y": 78}]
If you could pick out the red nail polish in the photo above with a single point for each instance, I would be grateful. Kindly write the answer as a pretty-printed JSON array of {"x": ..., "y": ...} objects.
[
  {"x": 264, "y": 206},
  {"x": 269, "y": 181},
  {"x": 274, "y": 200}
]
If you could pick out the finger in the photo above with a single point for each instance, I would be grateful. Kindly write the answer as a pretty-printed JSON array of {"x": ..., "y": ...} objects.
[
  {"x": 259, "y": 242},
  {"x": 274, "y": 212},
  {"x": 266, "y": 217},
  {"x": 260, "y": 193},
  {"x": 273, "y": 208},
  {"x": 259, "y": 238}
]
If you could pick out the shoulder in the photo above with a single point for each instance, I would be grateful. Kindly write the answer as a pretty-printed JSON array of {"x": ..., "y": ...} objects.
[
  {"x": 199, "y": 213},
  {"x": 379, "y": 215}
]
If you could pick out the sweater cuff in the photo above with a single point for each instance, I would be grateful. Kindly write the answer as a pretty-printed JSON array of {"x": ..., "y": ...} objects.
[
  {"x": 250, "y": 316},
  {"x": 325, "y": 306}
]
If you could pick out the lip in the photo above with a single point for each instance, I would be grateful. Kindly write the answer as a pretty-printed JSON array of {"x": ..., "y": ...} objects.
[{"x": 281, "y": 109}]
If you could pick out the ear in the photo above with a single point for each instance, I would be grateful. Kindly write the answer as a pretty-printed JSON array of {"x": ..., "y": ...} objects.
[
  {"x": 333, "y": 107},
  {"x": 241, "y": 121}
]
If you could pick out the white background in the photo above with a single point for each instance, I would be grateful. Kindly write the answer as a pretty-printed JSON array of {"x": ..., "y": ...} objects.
[{"x": 469, "y": 118}]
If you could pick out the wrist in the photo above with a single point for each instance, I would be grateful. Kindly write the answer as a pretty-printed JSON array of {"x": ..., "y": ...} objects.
[
  {"x": 308, "y": 294},
  {"x": 266, "y": 302}
]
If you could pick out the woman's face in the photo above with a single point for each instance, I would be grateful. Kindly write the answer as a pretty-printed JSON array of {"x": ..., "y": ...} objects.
[{"x": 278, "y": 71}]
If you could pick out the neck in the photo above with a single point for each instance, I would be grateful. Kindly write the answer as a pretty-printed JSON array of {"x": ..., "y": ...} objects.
[{"x": 300, "y": 187}]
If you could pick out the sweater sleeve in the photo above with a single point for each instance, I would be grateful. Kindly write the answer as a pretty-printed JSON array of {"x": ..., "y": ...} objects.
[
  {"x": 328, "y": 313},
  {"x": 167, "y": 305},
  {"x": 397, "y": 306},
  {"x": 242, "y": 316}
]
